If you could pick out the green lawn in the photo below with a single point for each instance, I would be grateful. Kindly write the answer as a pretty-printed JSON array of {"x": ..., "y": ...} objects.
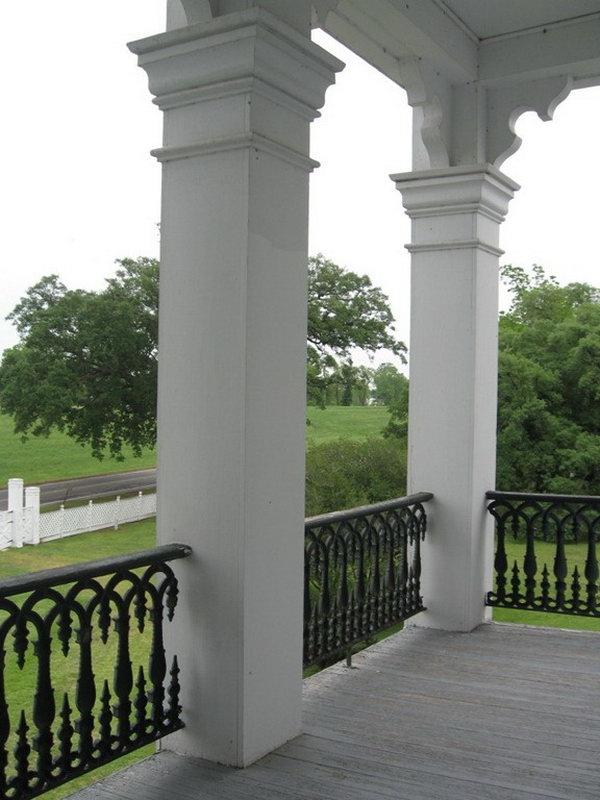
[
  {"x": 349, "y": 422},
  {"x": 54, "y": 458},
  {"x": 57, "y": 456}
]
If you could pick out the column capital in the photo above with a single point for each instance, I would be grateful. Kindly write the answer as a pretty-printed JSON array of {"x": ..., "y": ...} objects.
[
  {"x": 203, "y": 56},
  {"x": 475, "y": 197},
  {"x": 244, "y": 81},
  {"x": 475, "y": 187}
]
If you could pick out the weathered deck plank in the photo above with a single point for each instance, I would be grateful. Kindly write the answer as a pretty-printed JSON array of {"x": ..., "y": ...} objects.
[{"x": 505, "y": 712}]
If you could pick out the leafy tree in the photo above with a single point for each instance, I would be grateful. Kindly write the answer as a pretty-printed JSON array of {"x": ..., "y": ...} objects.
[
  {"x": 87, "y": 361},
  {"x": 390, "y": 385},
  {"x": 548, "y": 387},
  {"x": 347, "y": 473},
  {"x": 345, "y": 311},
  {"x": 86, "y": 364}
]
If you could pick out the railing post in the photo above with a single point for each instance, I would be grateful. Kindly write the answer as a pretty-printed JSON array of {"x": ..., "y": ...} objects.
[
  {"x": 117, "y": 512},
  {"x": 32, "y": 502},
  {"x": 15, "y": 504},
  {"x": 61, "y": 521}
]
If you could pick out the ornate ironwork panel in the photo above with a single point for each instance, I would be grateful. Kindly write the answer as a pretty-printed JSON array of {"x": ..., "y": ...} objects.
[
  {"x": 362, "y": 570},
  {"x": 567, "y": 581},
  {"x": 75, "y": 692}
]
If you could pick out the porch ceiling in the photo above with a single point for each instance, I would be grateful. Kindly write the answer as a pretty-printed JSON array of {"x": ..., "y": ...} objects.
[
  {"x": 485, "y": 20},
  {"x": 467, "y": 41}
]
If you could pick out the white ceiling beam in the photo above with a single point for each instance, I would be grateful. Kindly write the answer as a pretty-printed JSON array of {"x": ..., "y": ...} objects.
[
  {"x": 384, "y": 31},
  {"x": 566, "y": 48}
]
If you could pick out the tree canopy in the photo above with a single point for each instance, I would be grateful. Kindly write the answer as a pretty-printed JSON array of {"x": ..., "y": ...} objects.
[
  {"x": 548, "y": 387},
  {"x": 86, "y": 364},
  {"x": 87, "y": 361},
  {"x": 345, "y": 311}
]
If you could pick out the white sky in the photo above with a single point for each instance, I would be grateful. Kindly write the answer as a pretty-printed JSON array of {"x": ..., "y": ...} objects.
[{"x": 79, "y": 188}]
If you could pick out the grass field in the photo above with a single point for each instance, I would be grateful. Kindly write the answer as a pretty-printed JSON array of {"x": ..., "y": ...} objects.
[
  {"x": 348, "y": 422},
  {"x": 56, "y": 457}
]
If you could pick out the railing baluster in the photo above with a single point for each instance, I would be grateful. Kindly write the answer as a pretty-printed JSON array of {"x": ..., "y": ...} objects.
[
  {"x": 591, "y": 569},
  {"x": 416, "y": 602},
  {"x": 500, "y": 560},
  {"x": 140, "y": 704},
  {"x": 575, "y": 590},
  {"x": 516, "y": 586},
  {"x": 123, "y": 682},
  {"x": 173, "y": 692},
  {"x": 530, "y": 563},
  {"x": 22, "y": 752},
  {"x": 85, "y": 695},
  {"x": 65, "y": 737},
  {"x": 545, "y": 586},
  {"x": 157, "y": 668},
  {"x": 44, "y": 708},
  {"x": 560, "y": 568},
  {"x": 4, "y": 727}
]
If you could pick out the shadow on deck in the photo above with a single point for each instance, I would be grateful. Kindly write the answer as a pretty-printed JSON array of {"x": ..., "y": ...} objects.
[{"x": 503, "y": 713}]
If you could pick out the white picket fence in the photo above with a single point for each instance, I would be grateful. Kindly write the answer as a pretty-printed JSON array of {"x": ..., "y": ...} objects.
[{"x": 24, "y": 524}]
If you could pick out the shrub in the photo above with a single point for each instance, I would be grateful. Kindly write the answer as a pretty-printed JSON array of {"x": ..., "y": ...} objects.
[{"x": 347, "y": 473}]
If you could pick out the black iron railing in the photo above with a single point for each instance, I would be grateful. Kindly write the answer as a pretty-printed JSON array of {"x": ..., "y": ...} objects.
[
  {"x": 362, "y": 571},
  {"x": 546, "y": 552},
  {"x": 74, "y": 692}
]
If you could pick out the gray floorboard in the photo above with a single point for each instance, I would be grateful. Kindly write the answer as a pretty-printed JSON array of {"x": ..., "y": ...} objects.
[{"x": 503, "y": 713}]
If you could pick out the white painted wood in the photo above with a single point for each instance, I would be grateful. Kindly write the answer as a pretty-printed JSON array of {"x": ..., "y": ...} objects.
[
  {"x": 468, "y": 89},
  {"x": 238, "y": 95},
  {"x": 15, "y": 504},
  {"x": 456, "y": 214},
  {"x": 32, "y": 506}
]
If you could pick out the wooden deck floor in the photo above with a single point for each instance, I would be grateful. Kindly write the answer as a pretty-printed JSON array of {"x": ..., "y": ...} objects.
[{"x": 503, "y": 713}]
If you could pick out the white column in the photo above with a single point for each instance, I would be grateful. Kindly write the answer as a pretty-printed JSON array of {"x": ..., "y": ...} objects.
[
  {"x": 32, "y": 502},
  {"x": 15, "y": 504},
  {"x": 238, "y": 95},
  {"x": 456, "y": 215}
]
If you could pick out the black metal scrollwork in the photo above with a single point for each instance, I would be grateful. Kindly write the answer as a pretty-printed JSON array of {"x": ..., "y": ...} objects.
[
  {"x": 561, "y": 520},
  {"x": 362, "y": 570},
  {"x": 83, "y": 608}
]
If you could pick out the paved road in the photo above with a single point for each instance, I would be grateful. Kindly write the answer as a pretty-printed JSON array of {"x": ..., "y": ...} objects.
[{"x": 92, "y": 487}]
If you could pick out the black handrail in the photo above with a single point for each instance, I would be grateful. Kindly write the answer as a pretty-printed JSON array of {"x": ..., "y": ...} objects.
[
  {"x": 362, "y": 570},
  {"x": 545, "y": 498},
  {"x": 18, "y": 584},
  {"x": 364, "y": 511},
  {"x": 85, "y": 607},
  {"x": 567, "y": 582}
]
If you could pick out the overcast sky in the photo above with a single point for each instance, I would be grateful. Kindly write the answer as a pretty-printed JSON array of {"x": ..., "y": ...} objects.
[{"x": 80, "y": 190}]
